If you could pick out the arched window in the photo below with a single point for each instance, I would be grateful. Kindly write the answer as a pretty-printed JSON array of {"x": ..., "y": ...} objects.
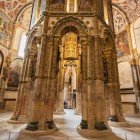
[
  {"x": 19, "y": 38},
  {"x": 23, "y": 39}
]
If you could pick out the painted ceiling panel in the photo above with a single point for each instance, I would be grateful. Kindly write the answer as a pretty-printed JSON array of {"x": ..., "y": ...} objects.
[
  {"x": 11, "y": 7},
  {"x": 130, "y": 7}
]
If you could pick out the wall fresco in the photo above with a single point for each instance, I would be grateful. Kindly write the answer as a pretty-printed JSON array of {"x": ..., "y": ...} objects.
[
  {"x": 130, "y": 7},
  {"x": 6, "y": 28},
  {"x": 11, "y": 7},
  {"x": 14, "y": 75},
  {"x": 122, "y": 44}
]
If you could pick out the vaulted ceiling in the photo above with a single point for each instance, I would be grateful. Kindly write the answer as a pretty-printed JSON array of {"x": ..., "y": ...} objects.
[
  {"x": 12, "y": 7},
  {"x": 131, "y": 8}
]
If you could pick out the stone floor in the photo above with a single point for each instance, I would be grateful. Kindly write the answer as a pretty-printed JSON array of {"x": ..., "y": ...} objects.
[{"x": 67, "y": 129}]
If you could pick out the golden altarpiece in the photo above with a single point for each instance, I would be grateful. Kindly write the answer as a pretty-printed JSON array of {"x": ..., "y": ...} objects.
[{"x": 70, "y": 33}]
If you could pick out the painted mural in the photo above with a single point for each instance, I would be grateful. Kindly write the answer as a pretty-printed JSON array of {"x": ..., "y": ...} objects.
[
  {"x": 120, "y": 21},
  {"x": 6, "y": 28},
  {"x": 14, "y": 75},
  {"x": 25, "y": 16},
  {"x": 11, "y": 7},
  {"x": 122, "y": 44},
  {"x": 130, "y": 7}
]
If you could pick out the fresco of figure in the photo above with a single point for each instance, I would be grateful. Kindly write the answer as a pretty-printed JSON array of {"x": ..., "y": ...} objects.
[
  {"x": 58, "y": 1},
  {"x": 122, "y": 44}
]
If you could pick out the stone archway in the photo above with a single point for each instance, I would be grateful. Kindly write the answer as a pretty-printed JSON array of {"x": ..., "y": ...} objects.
[
  {"x": 75, "y": 25},
  {"x": 47, "y": 71},
  {"x": 70, "y": 21}
]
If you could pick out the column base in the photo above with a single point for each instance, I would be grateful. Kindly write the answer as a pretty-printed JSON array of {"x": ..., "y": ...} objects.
[
  {"x": 118, "y": 124},
  {"x": 22, "y": 118},
  {"x": 96, "y": 134},
  {"x": 59, "y": 112},
  {"x": 14, "y": 117},
  {"x": 77, "y": 112},
  {"x": 113, "y": 118},
  {"x": 38, "y": 132},
  {"x": 17, "y": 120}
]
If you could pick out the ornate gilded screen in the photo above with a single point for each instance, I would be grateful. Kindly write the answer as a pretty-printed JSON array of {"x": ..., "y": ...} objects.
[{"x": 70, "y": 44}]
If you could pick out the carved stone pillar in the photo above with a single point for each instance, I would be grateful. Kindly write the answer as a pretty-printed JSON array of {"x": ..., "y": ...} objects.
[
  {"x": 96, "y": 95},
  {"x": 84, "y": 98},
  {"x": 60, "y": 91},
  {"x": 136, "y": 83},
  {"x": 118, "y": 105},
  {"x": 117, "y": 90},
  {"x": 52, "y": 85},
  {"x": 60, "y": 85},
  {"x": 97, "y": 92},
  {"x": 26, "y": 88},
  {"x": 35, "y": 120},
  {"x": 78, "y": 90},
  {"x": 21, "y": 89},
  {"x": 90, "y": 81},
  {"x": 111, "y": 87}
]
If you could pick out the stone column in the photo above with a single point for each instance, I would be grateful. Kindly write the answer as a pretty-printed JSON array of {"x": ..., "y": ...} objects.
[
  {"x": 119, "y": 120},
  {"x": 60, "y": 91},
  {"x": 22, "y": 84},
  {"x": 52, "y": 85},
  {"x": 110, "y": 86},
  {"x": 84, "y": 100},
  {"x": 136, "y": 83},
  {"x": 26, "y": 88},
  {"x": 97, "y": 92},
  {"x": 39, "y": 86},
  {"x": 78, "y": 89},
  {"x": 90, "y": 81},
  {"x": 97, "y": 118},
  {"x": 60, "y": 85},
  {"x": 117, "y": 87},
  {"x": 138, "y": 70}
]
